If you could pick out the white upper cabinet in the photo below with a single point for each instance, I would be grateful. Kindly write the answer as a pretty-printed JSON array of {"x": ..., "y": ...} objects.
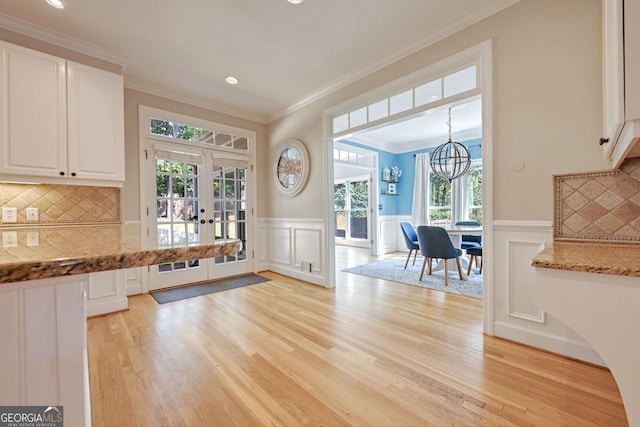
[
  {"x": 61, "y": 122},
  {"x": 34, "y": 113},
  {"x": 621, "y": 83},
  {"x": 95, "y": 123}
]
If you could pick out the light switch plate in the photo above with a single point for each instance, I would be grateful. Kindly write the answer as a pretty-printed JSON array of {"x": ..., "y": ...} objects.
[
  {"x": 9, "y": 239},
  {"x": 9, "y": 214},
  {"x": 32, "y": 214}
]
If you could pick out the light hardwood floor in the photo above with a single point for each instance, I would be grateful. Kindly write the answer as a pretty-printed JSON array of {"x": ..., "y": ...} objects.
[{"x": 368, "y": 352}]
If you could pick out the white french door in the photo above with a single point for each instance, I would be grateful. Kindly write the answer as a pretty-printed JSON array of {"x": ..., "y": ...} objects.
[
  {"x": 230, "y": 209},
  {"x": 198, "y": 192}
]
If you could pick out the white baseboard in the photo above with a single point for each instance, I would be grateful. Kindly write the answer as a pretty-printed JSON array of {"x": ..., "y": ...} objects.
[
  {"x": 99, "y": 308},
  {"x": 296, "y": 274},
  {"x": 553, "y": 343},
  {"x": 134, "y": 289}
]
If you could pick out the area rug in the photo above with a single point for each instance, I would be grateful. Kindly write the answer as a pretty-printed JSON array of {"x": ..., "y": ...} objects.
[
  {"x": 176, "y": 294},
  {"x": 393, "y": 269}
]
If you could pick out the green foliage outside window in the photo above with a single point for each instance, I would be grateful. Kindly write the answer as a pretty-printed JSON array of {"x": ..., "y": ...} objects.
[
  {"x": 339, "y": 196},
  {"x": 175, "y": 130},
  {"x": 359, "y": 192},
  {"x": 440, "y": 203},
  {"x": 474, "y": 181}
]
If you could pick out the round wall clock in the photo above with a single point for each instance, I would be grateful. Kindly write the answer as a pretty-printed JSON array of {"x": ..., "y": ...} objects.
[{"x": 291, "y": 167}]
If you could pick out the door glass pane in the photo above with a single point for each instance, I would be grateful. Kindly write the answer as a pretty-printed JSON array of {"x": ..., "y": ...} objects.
[
  {"x": 230, "y": 216},
  {"x": 341, "y": 224},
  {"x": 177, "y": 202},
  {"x": 358, "y": 214},
  {"x": 339, "y": 203}
]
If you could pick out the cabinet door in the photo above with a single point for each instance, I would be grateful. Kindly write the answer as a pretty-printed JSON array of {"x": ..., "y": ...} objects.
[
  {"x": 613, "y": 72},
  {"x": 106, "y": 292},
  {"x": 43, "y": 336},
  {"x": 632, "y": 60},
  {"x": 96, "y": 123},
  {"x": 33, "y": 118}
]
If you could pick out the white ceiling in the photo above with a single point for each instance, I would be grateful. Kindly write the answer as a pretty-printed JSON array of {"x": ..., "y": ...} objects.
[{"x": 284, "y": 55}]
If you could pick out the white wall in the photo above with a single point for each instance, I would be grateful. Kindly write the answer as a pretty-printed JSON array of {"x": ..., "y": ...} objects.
[{"x": 546, "y": 114}]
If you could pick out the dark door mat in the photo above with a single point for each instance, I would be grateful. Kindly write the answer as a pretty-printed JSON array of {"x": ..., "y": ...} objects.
[{"x": 176, "y": 294}]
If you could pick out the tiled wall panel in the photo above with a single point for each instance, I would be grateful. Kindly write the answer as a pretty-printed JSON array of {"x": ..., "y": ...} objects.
[
  {"x": 63, "y": 204},
  {"x": 602, "y": 206}
]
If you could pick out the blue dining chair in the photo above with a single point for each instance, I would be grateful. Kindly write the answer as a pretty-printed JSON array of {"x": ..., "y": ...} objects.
[
  {"x": 411, "y": 239},
  {"x": 474, "y": 253},
  {"x": 468, "y": 241},
  {"x": 435, "y": 243}
]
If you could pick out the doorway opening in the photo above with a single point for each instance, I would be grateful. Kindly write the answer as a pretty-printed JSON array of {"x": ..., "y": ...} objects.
[
  {"x": 354, "y": 196},
  {"x": 461, "y": 81}
]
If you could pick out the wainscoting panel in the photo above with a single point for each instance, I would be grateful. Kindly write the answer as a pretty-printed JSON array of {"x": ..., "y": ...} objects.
[
  {"x": 307, "y": 244},
  {"x": 517, "y": 316},
  {"x": 522, "y": 296},
  {"x": 261, "y": 246},
  {"x": 280, "y": 245},
  {"x": 389, "y": 234},
  {"x": 287, "y": 244}
]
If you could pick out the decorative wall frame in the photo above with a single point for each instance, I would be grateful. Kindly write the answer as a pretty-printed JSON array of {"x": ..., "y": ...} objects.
[{"x": 291, "y": 167}]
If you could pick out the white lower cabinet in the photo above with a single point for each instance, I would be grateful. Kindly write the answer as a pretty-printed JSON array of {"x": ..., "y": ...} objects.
[
  {"x": 44, "y": 346},
  {"x": 603, "y": 309},
  {"x": 106, "y": 292}
]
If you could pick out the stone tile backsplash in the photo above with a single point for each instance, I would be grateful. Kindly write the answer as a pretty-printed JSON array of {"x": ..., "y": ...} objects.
[
  {"x": 603, "y": 206},
  {"x": 63, "y": 204}
]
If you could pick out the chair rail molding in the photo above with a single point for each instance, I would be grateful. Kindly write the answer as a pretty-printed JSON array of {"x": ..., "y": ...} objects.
[
  {"x": 287, "y": 245},
  {"x": 517, "y": 314}
]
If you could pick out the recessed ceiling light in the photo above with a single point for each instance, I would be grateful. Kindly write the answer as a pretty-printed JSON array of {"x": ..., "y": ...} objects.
[
  {"x": 56, "y": 3},
  {"x": 295, "y": 1},
  {"x": 231, "y": 80}
]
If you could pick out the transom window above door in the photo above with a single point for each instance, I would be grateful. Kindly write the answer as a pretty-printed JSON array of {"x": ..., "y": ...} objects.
[
  {"x": 197, "y": 135},
  {"x": 440, "y": 89}
]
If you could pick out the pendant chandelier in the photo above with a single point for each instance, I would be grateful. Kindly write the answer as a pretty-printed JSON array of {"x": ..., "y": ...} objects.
[{"x": 451, "y": 160}]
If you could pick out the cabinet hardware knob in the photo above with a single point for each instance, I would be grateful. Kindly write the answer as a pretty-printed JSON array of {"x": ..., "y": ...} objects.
[
  {"x": 210, "y": 221},
  {"x": 604, "y": 141},
  {"x": 202, "y": 221},
  {"x": 73, "y": 174},
  {"x": 201, "y": 210},
  {"x": 61, "y": 173}
]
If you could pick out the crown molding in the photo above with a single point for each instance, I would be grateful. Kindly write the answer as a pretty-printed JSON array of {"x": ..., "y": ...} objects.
[
  {"x": 432, "y": 36},
  {"x": 196, "y": 101},
  {"x": 46, "y": 35}
]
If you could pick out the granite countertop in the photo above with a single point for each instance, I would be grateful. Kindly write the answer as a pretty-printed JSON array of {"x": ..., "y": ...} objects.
[
  {"x": 45, "y": 252},
  {"x": 621, "y": 259}
]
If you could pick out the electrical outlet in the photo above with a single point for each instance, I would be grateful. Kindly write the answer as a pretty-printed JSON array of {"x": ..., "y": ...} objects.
[
  {"x": 32, "y": 214},
  {"x": 9, "y": 239},
  {"x": 33, "y": 238},
  {"x": 9, "y": 214},
  {"x": 307, "y": 266}
]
